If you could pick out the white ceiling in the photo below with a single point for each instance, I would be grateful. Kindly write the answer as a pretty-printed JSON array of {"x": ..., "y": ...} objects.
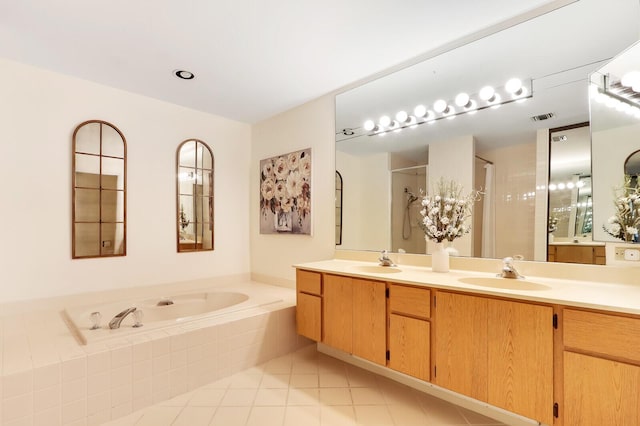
[{"x": 252, "y": 59}]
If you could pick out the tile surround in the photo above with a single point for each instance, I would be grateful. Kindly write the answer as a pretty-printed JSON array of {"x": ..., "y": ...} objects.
[{"x": 46, "y": 378}]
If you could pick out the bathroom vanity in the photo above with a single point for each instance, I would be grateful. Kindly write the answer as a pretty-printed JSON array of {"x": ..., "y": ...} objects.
[{"x": 560, "y": 352}]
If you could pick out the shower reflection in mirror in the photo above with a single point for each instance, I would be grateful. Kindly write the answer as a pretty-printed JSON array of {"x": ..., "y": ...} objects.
[{"x": 194, "y": 188}]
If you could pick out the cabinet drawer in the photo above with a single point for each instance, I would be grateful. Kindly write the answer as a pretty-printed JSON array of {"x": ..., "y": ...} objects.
[
  {"x": 411, "y": 301},
  {"x": 611, "y": 335},
  {"x": 309, "y": 282}
]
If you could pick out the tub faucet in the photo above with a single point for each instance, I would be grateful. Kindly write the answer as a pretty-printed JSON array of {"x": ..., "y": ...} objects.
[
  {"x": 115, "y": 322},
  {"x": 508, "y": 270},
  {"x": 384, "y": 259}
]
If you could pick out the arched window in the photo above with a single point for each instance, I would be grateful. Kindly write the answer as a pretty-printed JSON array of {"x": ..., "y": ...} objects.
[
  {"x": 99, "y": 191},
  {"x": 194, "y": 188}
]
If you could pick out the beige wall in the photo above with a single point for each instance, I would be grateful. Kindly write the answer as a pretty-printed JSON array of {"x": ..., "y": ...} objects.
[
  {"x": 308, "y": 126},
  {"x": 38, "y": 113}
]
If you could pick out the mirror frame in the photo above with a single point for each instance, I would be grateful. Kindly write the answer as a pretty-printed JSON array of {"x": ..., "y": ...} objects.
[
  {"x": 74, "y": 153},
  {"x": 180, "y": 247}
]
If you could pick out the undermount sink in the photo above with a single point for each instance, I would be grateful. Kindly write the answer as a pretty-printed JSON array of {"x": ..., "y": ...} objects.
[
  {"x": 505, "y": 283},
  {"x": 377, "y": 269}
]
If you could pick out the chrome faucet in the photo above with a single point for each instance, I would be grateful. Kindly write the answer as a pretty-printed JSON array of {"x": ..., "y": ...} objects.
[
  {"x": 509, "y": 270},
  {"x": 384, "y": 259},
  {"x": 115, "y": 322}
]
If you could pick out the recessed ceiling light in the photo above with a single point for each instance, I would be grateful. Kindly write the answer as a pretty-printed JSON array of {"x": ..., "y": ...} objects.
[{"x": 184, "y": 74}]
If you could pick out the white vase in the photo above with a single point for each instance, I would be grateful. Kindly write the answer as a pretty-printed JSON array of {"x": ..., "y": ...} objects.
[{"x": 440, "y": 259}]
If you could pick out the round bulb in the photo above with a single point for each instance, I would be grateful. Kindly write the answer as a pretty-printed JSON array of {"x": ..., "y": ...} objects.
[
  {"x": 570, "y": 185},
  {"x": 631, "y": 79},
  {"x": 440, "y": 106},
  {"x": 420, "y": 111},
  {"x": 487, "y": 93},
  {"x": 402, "y": 116},
  {"x": 463, "y": 100},
  {"x": 369, "y": 125},
  {"x": 552, "y": 187},
  {"x": 580, "y": 184},
  {"x": 385, "y": 121},
  {"x": 514, "y": 86},
  {"x": 561, "y": 186}
]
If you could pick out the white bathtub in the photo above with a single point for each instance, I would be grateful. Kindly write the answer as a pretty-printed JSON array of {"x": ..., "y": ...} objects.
[{"x": 185, "y": 308}]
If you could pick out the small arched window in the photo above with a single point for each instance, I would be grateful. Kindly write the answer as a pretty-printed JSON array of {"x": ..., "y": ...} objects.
[
  {"x": 194, "y": 188},
  {"x": 99, "y": 191}
]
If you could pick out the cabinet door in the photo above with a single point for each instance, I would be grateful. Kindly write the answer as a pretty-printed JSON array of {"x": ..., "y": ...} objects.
[
  {"x": 308, "y": 316},
  {"x": 337, "y": 312},
  {"x": 461, "y": 344},
  {"x": 520, "y": 356},
  {"x": 600, "y": 392},
  {"x": 410, "y": 346},
  {"x": 369, "y": 320}
]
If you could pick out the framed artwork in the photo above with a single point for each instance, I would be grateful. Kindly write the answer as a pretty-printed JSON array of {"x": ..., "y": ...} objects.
[{"x": 285, "y": 193}]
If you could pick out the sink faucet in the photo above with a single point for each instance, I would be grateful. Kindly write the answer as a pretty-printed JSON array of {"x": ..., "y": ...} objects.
[
  {"x": 384, "y": 259},
  {"x": 509, "y": 270},
  {"x": 115, "y": 322}
]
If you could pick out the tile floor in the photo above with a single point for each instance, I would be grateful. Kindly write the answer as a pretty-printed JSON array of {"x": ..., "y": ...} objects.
[{"x": 304, "y": 388}]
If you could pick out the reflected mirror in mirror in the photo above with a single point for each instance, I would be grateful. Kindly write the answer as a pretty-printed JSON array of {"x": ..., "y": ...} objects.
[
  {"x": 194, "y": 187},
  {"x": 338, "y": 208},
  {"x": 511, "y": 140},
  {"x": 615, "y": 115},
  {"x": 99, "y": 191},
  {"x": 570, "y": 203}
]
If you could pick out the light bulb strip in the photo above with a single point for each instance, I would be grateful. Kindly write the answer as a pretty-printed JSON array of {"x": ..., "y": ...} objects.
[{"x": 504, "y": 97}]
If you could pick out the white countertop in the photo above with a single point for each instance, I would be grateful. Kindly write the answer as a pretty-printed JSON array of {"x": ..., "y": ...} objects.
[{"x": 595, "y": 295}]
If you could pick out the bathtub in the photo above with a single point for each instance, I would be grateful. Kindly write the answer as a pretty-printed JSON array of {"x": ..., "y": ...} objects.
[{"x": 157, "y": 314}]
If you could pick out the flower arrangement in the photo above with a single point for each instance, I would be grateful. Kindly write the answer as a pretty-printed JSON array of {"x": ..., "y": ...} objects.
[
  {"x": 285, "y": 188},
  {"x": 445, "y": 211},
  {"x": 624, "y": 224},
  {"x": 552, "y": 224}
]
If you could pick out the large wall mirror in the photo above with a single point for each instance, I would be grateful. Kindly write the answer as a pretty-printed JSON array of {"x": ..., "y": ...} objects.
[
  {"x": 194, "y": 188},
  {"x": 615, "y": 116},
  {"x": 99, "y": 191},
  {"x": 499, "y": 144}
]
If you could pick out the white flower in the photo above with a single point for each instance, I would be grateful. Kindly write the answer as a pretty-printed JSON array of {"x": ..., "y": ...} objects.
[
  {"x": 615, "y": 229},
  {"x": 292, "y": 161},
  {"x": 437, "y": 198},
  {"x": 448, "y": 208},
  {"x": 425, "y": 202},
  {"x": 267, "y": 189},
  {"x": 280, "y": 168},
  {"x": 286, "y": 204},
  {"x": 305, "y": 166},
  {"x": 280, "y": 190},
  {"x": 632, "y": 230},
  {"x": 267, "y": 169},
  {"x": 444, "y": 220},
  {"x": 434, "y": 211},
  {"x": 294, "y": 184}
]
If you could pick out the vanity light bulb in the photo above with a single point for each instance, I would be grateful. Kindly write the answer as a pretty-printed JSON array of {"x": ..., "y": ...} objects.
[
  {"x": 385, "y": 121},
  {"x": 552, "y": 187},
  {"x": 440, "y": 106},
  {"x": 369, "y": 125},
  {"x": 487, "y": 93},
  {"x": 420, "y": 111},
  {"x": 580, "y": 184},
  {"x": 570, "y": 185},
  {"x": 561, "y": 186},
  {"x": 631, "y": 79},
  {"x": 514, "y": 86},
  {"x": 402, "y": 116},
  {"x": 463, "y": 100}
]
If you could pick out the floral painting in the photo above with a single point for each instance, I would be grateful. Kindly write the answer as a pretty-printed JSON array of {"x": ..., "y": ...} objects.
[{"x": 285, "y": 193}]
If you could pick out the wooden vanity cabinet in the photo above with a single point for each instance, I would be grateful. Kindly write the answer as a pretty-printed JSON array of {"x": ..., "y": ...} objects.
[
  {"x": 601, "y": 369},
  {"x": 354, "y": 316},
  {"x": 410, "y": 330},
  {"x": 309, "y": 304},
  {"x": 497, "y": 351}
]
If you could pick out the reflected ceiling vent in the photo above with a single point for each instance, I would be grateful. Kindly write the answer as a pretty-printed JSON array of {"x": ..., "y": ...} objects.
[
  {"x": 560, "y": 138},
  {"x": 543, "y": 117}
]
